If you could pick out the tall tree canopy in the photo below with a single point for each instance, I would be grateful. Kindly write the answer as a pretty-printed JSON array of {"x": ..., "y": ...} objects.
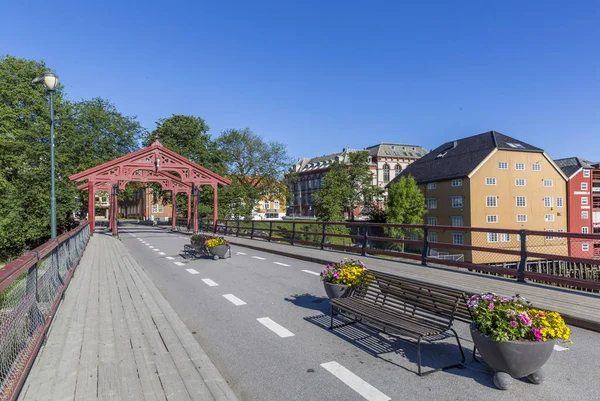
[{"x": 405, "y": 205}]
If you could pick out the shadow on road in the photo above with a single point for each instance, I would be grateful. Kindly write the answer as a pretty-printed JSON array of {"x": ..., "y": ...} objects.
[{"x": 310, "y": 301}]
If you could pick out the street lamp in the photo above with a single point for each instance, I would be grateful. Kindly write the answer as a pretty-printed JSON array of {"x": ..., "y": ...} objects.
[{"x": 50, "y": 81}]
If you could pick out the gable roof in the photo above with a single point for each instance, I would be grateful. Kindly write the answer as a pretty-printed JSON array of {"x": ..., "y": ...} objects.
[
  {"x": 571, "y": 165},
  {"x": 457, "y": 159},
  {"x": 398, "y": 150}
]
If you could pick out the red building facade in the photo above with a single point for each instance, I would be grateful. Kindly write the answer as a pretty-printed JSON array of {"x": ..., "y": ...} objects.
[{"x": 583, "y": 204}]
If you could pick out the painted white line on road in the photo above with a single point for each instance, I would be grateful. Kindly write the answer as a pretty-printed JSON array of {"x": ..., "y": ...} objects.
[
  {"x": 150, "y": 246},
  {"x": 240, "y": 253},
  {"x": 162, "y": 253},
  {"x": 156, "y": 249},
  {"x": 311, "y": 272},
  {"x": 192, "y": 271},
  {"x": 258, "y": 257},
  {"x": 559, "y": 348},
  {"x": 170, "y": 257},
  {"x": 233, "y": 299},
  {"x": 179, "y": 263},
  {"x": 281, "y": 264},
  {"x": 209, "y": 282},
  {"x": 354, "y": 382},
  {"x": 276, "y": 328}
]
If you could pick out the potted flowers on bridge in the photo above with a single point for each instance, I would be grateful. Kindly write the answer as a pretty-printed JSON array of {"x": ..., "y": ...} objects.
[
  {"x": 514, "y": 338},
  {"x": 340, "y": 278},
  {"x": 218, "y": 247}
]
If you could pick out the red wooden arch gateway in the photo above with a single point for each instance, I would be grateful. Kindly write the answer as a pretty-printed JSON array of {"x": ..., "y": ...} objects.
[{"x": 152, "y": 164}]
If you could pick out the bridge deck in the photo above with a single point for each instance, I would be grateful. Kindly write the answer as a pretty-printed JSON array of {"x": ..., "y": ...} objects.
[{"x": 116, "y": 337}]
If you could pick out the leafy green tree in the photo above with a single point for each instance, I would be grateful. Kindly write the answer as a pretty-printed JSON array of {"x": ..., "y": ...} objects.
[
  {"x": 405, "y": 205},
  {"x": 256, "y": 168}
]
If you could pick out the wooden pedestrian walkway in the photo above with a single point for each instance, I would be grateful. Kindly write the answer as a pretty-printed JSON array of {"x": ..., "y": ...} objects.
[{"x": 115, "y": 337}]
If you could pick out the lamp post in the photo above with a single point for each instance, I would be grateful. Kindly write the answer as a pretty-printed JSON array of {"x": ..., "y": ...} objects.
[{"x": 50, "y": 81}]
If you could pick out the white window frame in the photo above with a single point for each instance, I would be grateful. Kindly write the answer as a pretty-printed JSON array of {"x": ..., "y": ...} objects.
[
  {"x": 548, "y": 183},
  {"x": 276, "y": 205},
  {"x": 504, "y": 237},
  {"x": 502, "y": 165},
  {"x": 586, "y": 173},
  {"x": 584, "y": 200},
  {"x": 548, "y": 218},
  {"x": 430, "y": 219},
  {"x": 462, "y": 222},
  {"x": 158, "y": 208},
  {"x": 492, "y": 218},
  {"x": 523, "y": 198},
  {"x": 432, "y": 202},
  {"x": 585, "y": 230},
  {"x": 457, "y": 202},
  {"x": 517, "y": 165},
  {"x": 536, "y": 167},
  {"x": 584, "y": 186},
  {"x": 521, "y": 221},
  {"x": 432, "y": 185},
  {"x": 455, "y": 236},
  {"x": 548, "y": 237},
  {"x": 559, "y": 201},
  {"x": 585, "y": 214},
  {"x": 432, "y": 236},
  {"x": 457, "y": 182},
  {"x": 548, "y": 201},
  {"x": 487, "y": 201},
  {"x": 519, "y": 180},
  {"x": 585, "y": 247},
  {"x": 492, "y": 237},
  {"x": 267, "y": 205},
  {"x": 490, "y": 180}
]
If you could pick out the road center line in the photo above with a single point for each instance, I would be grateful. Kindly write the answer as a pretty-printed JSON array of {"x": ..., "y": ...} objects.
[
  {"x": 209, "y": 282},
  {"x": 156, "y": 249},
  {"x": 311, "y": 272},
  {"x": 354, "y": 382},
  {"x": 281, "y": 264},
  {"x": 258, "y": 257},
  {"x": 276, "y": 328},
  {"x": 179, "y": 263},
  {"x": 240, "y": 253},
  {"x": 233, "y": 299},
  {"x": 170, "y": 257},
  {"x": 192, "y": 271},
  {"x": 162, "y": 253},
  {"x": 559, "y": 348},
  {"x": 150, "y": 246}
]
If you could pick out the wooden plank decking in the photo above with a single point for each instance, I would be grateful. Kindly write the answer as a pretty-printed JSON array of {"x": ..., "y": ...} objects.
[{"x": 115, "y": 337}]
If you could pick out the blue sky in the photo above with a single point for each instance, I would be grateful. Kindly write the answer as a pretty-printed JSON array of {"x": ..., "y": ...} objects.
[{"x": 319, "y": 76}]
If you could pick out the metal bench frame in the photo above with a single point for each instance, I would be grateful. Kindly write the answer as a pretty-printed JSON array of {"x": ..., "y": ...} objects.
[{"x": 400, "y": 306}]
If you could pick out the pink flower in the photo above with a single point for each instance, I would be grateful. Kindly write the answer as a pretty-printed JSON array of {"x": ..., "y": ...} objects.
[
  {"x": 525, "y": 319},
  {"x": 492, "y": 306},
  {"x": 513, "y": 323},
  {"x": 537, "y": 333}
]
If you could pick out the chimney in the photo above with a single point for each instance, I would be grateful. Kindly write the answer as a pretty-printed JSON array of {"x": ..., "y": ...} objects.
[{"x": 455, "y": 144}]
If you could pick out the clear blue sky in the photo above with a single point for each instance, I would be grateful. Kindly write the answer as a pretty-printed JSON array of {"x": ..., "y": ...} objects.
[{"x": 322, "y": 75}]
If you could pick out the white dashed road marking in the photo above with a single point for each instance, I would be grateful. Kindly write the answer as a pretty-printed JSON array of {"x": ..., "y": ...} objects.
[
  {"x": 192, "y": 271},
  {"x": 150, "y": 246},
  {"x": 311, "y": 272},
  {"x": 156, "y": 250},
  {"x": 240, "y": 253},
  {"x": 559, "y": 348},
  {"x": 258, "y": 257},
  {"x": 209, "y": 282},
  {"x": 162, "y": 253},
  {"x": 179, "y": 263},
  {"x": 274, "y": 327},
  {"x": 233, "y": 299},
  {"x": 354, "y": 382},
  {"x": 170, "y": 257},
  {"x": 281, "y": 264}
]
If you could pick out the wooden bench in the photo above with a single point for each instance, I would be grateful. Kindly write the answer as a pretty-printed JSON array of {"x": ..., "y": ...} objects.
[{"x": 403, "y": 306}]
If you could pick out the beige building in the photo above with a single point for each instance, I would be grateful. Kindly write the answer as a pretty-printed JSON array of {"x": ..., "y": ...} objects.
[{"x": 492, "y": 181}]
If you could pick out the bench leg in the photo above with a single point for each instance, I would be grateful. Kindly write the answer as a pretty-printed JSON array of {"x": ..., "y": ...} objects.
[
  {"x": 456, "y": 365},
  {"x": 332, "y": 314}
]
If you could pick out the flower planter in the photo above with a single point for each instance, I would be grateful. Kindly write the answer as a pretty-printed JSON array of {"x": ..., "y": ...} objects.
[
  {"x": 336, "y": 290},
  {"x": 219, "y": 251},
  {"x": 513, "y": 359}
]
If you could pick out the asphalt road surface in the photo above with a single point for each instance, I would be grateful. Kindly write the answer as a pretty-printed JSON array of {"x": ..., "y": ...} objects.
[{"x": 263, "y": 318}]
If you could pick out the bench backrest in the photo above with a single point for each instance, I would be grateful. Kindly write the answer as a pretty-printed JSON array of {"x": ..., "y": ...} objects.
[{"x": 421, "y": 300}]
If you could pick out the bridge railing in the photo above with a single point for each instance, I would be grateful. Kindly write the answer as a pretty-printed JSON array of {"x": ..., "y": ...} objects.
[
  {"x": 566, "y": 259},
  {"x": 31, "y": 288}
]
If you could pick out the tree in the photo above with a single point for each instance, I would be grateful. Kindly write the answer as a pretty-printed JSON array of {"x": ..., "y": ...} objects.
[
  {"x": 405, "y": 205},
  {"x": 256, "y": 168}
]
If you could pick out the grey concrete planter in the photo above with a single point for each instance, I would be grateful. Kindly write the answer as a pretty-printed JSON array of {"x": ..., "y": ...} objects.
[
  {"x": 336, "y": 290},
  {"x": 513, "y": 359},
  {"x": 219, "y": 251}
]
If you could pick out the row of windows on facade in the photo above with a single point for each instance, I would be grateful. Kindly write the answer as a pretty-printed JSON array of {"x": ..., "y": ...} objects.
[
  {"x": 386, "y": 172},
  {"x": 520, "y": 166},
  {"x": 459, "y": 238},
  {"x": 267, "y": 205},
  {"x": 457, "y": 221},
  {"x": 492, "y": 201},
  {"x": 519, "y": 182}
]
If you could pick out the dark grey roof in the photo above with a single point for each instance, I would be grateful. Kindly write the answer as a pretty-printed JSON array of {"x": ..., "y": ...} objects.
[
  {"x": 396, "y": 150},
  {"x": 571, "y": 165},
  {"x": 458, "y": 158}
]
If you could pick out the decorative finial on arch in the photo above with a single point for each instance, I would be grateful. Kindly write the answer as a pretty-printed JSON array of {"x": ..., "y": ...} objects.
[{"x": 156, "y": 141}]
